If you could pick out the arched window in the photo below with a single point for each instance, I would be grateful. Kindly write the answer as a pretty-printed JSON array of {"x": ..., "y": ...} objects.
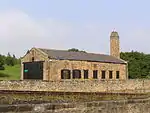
[
  {"x": 65, "y": 74},
  {"x": 32, "y": 59},
  {"x": 76, "y": 74},
  {"x": 95, "y": 74},
  {"x": 117, "y": 74},
  {"x": 86, "y": 74},
  {"x": 110, "y": 74},
  {"x": 103, "y": 74}
]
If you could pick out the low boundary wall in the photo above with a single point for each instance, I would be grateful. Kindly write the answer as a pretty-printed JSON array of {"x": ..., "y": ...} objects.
[{"x": 128, "y": 86}]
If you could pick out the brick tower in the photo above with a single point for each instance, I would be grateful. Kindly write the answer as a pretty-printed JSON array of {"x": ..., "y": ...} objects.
[{"x": 114, "y": 44}]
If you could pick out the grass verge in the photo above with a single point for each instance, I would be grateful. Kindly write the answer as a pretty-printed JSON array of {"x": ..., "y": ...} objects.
[{"x": 10, "y": 73}]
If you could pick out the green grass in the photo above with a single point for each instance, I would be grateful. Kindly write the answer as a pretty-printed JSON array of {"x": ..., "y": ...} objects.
[{"x": 10, "y": 73}]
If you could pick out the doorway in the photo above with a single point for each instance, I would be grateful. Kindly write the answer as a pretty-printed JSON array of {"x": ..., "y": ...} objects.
[{"x": 33, "y": 70}]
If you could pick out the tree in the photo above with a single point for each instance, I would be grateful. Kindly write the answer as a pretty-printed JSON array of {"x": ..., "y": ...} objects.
[
  {"x": 138, "y": 64},
  {"x": 15, "y": 60},
  {"x": 14, "y": 56},
  {"x": 8, "y": 55},
  {"x": 1, "y": 63},
  {"x": 76, "y": 50},
  {"x": 10, "y": 60}
]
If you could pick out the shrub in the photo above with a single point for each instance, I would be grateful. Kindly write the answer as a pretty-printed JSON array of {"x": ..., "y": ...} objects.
[{"x": 2, "y": 68}]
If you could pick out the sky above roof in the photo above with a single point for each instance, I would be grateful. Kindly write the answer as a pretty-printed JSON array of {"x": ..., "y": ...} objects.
[{"x": 82, "y": 24}]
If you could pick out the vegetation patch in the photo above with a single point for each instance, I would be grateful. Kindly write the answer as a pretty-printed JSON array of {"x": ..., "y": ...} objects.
[
  {"x": 4, "y": 75},
  {"x": 10, "y": 73}
]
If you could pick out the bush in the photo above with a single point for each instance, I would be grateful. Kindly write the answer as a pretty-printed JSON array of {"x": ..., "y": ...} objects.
[
  {"x": 1, "y": 62},
  {"x": 2, "y": 68}
]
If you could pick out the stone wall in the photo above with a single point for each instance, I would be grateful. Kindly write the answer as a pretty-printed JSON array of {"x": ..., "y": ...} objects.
[
  {"x": 136, "y": 86},
  {"x": 122, "y": 106},
  {"x": 57, "y": 65}
]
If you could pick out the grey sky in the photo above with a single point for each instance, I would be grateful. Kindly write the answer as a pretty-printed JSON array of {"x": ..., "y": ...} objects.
[{"x": 83, "y": 24}]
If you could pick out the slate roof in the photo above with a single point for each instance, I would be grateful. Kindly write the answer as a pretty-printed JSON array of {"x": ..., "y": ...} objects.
[{"x": 81, "y": 56}]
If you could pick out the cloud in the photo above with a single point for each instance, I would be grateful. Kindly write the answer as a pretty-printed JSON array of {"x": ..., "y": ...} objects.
[{"x": 20, "y": 32}]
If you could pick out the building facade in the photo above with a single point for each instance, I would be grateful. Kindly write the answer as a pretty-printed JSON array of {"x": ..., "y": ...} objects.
[{"x": 55, "y": 65}]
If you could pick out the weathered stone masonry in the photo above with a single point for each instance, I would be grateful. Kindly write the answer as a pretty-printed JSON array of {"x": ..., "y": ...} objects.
[
  {"x": 55, "y": 62},
  {"x": 125, "y": 86},
  {"x": 82, "y": 65},
  {"x": 114, "y": 45},
  {"x": 52, "y": 68}
]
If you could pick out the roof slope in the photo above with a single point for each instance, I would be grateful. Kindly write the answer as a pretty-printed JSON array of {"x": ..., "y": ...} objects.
[{"x": 80, "y": 56}]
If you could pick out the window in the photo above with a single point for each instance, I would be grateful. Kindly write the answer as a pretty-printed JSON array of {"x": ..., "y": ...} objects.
[
  {"x": 95, "y": 72},
  {"x": 86, "y": 74},
  {"x": 65, "y": 74},
  {"x": 110, "y": 75},
  {"x": 103, "y": 74},
  {"x": 117, "y": 74},
  {"x": 76, "y": 74},
  {"x": 32, "y": 59}
]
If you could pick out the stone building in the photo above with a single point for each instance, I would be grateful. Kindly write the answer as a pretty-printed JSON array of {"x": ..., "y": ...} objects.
[{"x": 55, "y": 65}]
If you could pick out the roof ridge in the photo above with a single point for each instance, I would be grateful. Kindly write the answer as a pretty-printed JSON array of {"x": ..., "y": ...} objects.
[
  {"x": 64, "y": 54},
  {"x": 75, "y": 51}
]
